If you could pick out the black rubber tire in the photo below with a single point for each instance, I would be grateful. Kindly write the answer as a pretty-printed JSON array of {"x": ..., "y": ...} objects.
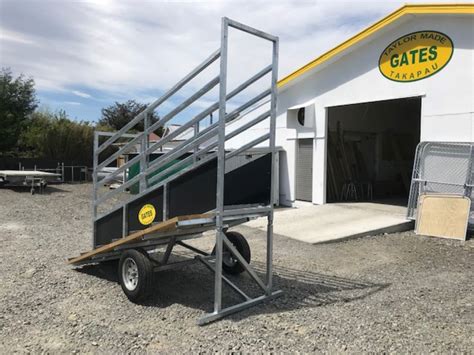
[
  {"x": 242, "y": 246},
  {"x": 145, "y": 275}
]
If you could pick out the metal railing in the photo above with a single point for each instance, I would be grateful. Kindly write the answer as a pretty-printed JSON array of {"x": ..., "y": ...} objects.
[
  {"x": 69, "y": 173},
  {"x": 442, "y": 167},
  {"x": 203, "y": 146}
]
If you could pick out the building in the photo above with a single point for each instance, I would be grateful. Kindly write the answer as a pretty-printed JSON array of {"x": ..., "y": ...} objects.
[{"x": 350, "y": 120}]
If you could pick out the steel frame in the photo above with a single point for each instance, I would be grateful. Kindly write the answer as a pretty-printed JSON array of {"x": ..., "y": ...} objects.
[
  {"x": 205, "y": 144},
  {"x": 221, "y": 239}
]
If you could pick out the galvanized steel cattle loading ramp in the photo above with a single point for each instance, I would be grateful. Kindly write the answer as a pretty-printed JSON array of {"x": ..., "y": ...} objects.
[{"x": 199, "y": 196}]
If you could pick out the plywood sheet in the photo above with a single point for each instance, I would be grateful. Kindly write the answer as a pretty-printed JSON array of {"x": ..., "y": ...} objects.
[{"x": 441, "y": 215}]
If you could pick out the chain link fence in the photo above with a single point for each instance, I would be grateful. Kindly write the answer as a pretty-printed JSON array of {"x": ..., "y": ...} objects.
[{"x": 442, "y": 167}]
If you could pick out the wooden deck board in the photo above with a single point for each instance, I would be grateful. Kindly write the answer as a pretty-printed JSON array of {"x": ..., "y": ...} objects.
[{"x": 168, "y": 225}]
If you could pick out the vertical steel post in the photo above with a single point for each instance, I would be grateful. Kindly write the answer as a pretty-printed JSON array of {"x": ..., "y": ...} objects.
[
  {"x": 165, "y": 202},
  {"x": 95, "y": 162},
  {"x": 221, "y": 167},
  {"x": 143, "y": 149},
  {"x": 196, "y": 132},
  {"x": 273, "y": 101},
  {"x": 125, "y": 220}
]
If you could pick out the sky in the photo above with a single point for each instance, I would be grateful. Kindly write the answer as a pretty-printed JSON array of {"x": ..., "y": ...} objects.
[{"x": 86, "y": 55}]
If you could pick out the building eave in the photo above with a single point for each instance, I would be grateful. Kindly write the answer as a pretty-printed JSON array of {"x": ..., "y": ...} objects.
[{"x": 415, "y": 9}]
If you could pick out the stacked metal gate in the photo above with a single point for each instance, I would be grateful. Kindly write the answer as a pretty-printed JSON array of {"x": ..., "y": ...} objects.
[
  {"x": 442, "y": 167},
  {"x": 202, "y": 147}
]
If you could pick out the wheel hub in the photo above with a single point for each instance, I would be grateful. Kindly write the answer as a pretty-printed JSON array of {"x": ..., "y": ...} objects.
[
  {"x": 228, "y": 259},
  {"x": 130, "y": 274}
]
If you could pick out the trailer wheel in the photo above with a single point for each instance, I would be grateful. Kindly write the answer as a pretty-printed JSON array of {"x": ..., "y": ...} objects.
[
  {"x": 230, "y": 264},
  {"x": 135, "y": 273}
]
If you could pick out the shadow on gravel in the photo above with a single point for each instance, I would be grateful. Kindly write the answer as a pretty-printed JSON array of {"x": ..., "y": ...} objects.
[
  {"x": 106, "y": 270},
  {"x": 193, "y": 286}
]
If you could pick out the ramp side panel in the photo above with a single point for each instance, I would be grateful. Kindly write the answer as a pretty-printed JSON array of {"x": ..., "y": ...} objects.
[
  {"x": 108, "y": 228},
  {"x": 250, "y": 183},
  {"x": 154, "y": 198},
  {"x": 193, "y": 193}
]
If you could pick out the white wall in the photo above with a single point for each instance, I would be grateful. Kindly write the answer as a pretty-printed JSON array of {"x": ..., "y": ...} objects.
[{"x": 447, "y": 105}]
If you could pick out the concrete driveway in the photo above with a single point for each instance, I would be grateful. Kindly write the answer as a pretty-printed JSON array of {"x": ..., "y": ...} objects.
[{"x": 337, "y": 221}]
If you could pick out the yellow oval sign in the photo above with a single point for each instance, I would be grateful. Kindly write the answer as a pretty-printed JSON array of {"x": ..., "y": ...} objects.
[
  {"x": 416, "y": 56},
  {"x": 147, "y": 214}
]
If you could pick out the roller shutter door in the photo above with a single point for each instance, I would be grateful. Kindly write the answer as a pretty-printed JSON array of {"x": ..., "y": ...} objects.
[{"x": 304, "y": 170}]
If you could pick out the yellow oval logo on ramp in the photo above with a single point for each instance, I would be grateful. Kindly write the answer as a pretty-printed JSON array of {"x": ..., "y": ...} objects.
[
  {"x": 147, "y": 214},
  {"x": 416, "y": 56}
]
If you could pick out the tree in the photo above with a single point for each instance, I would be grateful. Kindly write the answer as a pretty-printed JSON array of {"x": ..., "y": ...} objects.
[
  {"x": 119, "y": 114},
  {"x": 17, "y": 101},
  {"x": 55, "y": 136}
]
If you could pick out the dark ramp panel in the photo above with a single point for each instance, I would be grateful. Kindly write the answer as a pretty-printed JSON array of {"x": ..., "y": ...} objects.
[
  {"x": 249, "y": 184},
  {"x": 154, "y": 198},
  {"x": 193, "y": 192},
  {"x": 108, "y": 228}
]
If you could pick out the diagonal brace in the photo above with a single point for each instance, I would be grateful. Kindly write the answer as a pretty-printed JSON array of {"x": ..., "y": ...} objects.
[
  {"x": 225, "y": 279},
  {"x": 244, "y": 263}
]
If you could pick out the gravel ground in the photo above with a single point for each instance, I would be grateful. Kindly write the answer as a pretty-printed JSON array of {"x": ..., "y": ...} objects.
[{"x": 390, "y": 293}]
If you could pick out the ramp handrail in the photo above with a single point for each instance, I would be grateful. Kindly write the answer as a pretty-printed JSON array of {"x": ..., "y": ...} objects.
[
  {"x": 202, "y": 115},
  {"x": 188, "y": 160},
  {"x": 196, "y": 147},
  {"x": 201, "y": 138},
  {"x": 196, "y": 71}
]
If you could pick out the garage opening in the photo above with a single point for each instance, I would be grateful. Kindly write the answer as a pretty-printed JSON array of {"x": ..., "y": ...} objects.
[{"x": 370, "y": 150}]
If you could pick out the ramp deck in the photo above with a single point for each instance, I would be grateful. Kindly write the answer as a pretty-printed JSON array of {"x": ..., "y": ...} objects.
[{"x": 169, "y": 225}]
